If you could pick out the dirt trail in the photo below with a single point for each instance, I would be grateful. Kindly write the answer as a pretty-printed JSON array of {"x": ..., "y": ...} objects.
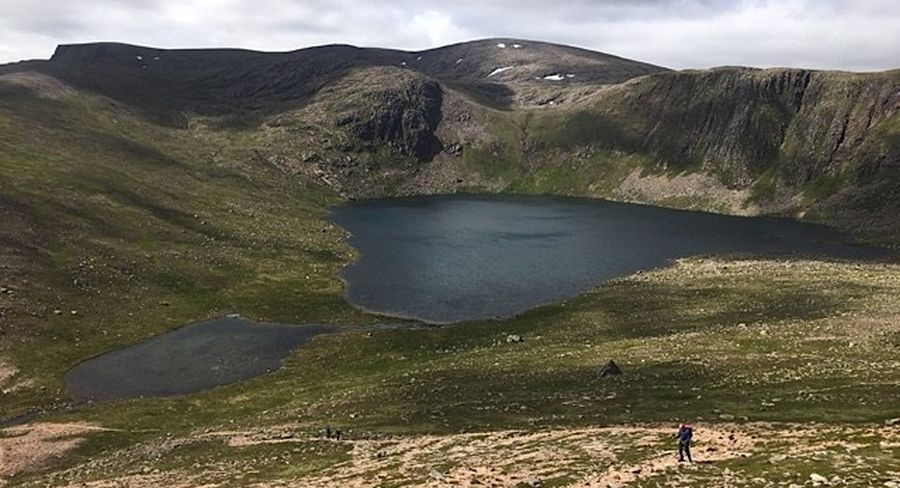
[
  {"x": 510, "y": 458},
  {"x": 608, "y": 457},
  {"x": 719, "y": 444}
]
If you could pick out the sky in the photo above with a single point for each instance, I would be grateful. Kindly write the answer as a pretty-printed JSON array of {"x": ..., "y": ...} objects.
[{"x": 857, "y": 35}]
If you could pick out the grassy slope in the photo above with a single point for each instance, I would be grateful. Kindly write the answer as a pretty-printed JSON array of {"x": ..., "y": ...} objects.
[
  {"x": 752, "y": 340},
  {"x": 142, "y": 229},
  {"x": 161, "y": 227}
]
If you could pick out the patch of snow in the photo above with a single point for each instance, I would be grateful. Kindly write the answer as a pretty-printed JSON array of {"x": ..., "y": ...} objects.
[
  {"x": 501, "y": 45},
  {"x": 403, "y": 63},
  {"x": 459, "y": 60},
  {"x": 140, "y": 58},
  {"x": 500, "y": 70},
  {"x": 554, "y": 77},
  {"x": 570, "y": 75},
  {"x": 517, "y": 46},
  {"x": 156, "y": 58},
  {"x": 419, "y": 58}
]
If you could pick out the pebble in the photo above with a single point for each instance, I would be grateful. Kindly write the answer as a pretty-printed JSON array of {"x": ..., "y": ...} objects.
[{"x": 818, "y": 479}]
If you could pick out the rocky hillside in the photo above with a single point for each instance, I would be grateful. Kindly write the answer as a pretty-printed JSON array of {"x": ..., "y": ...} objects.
[
  {"x": 517, "y": 115},
  {"x": 783, "y": 141}
]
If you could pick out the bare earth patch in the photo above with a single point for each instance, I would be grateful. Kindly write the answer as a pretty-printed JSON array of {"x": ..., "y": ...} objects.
[
  {"x": 685, "y": 188},
  {"x": 7, "y": 372},
  {"x": 640, "y": 455},
  {"x": 29, "y": 447}
]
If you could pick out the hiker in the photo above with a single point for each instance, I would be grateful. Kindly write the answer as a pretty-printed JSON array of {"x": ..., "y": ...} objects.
[{"x": 684, "y": 436}]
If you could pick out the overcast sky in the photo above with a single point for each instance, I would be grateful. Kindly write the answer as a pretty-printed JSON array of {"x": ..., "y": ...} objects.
[{"x": 834, "y": 34}]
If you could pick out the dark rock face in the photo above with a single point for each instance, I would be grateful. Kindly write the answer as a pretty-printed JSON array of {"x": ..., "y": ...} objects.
[
  {"x": 739, "y": 122},
  {"x": 405, "y": 120},
  {"x": 729, "y": 120}
]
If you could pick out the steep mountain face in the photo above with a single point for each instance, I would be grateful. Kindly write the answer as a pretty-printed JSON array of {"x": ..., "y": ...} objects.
[
  {"x": 783, "y": 141},
  {"x": 739, "y": 123},
  {"x": 403, "y": 117},
  {"x": 516, "y": 115}
]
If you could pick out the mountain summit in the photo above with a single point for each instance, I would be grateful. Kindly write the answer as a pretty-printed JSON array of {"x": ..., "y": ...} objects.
[{"x": 504, "y": 72}]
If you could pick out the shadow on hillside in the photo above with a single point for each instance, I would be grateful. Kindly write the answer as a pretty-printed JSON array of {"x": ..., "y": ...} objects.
[{"x": 495, "y": 95}]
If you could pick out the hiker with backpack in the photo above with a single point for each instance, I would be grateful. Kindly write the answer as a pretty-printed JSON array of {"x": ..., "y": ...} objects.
[{"x": 684, "y": 436}]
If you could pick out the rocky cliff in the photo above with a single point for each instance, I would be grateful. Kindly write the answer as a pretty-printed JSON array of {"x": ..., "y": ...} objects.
[{"x": 739, "y": 123}]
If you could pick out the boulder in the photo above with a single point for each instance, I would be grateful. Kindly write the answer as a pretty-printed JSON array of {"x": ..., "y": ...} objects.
[
  {"x": 818, "y": 479},
  {"x": 610, "y": 369}
]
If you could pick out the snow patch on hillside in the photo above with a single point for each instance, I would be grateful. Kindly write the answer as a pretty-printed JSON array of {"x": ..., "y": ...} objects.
[
  {"x": 500, "y": 70},
  {"x": 558, "y": 77}
]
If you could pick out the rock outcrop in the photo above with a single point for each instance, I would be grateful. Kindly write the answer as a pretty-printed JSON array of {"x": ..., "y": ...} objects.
[{"x": 403, "y": 117}]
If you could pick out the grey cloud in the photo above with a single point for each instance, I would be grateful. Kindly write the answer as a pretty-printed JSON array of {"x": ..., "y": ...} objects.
[{"x": 834, "y": 34}]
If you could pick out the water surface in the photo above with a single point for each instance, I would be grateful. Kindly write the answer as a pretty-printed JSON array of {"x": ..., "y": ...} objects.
[
  {"x": 190, "y": 359},
  {"x": 453, "y": 258},
  {"x": 446, "y": 259}
]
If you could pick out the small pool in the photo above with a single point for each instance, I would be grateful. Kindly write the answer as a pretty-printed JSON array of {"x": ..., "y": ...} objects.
[{"x": 190, "y": 359}]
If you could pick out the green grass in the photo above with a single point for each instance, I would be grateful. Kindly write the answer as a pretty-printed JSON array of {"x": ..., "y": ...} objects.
[
  {"x": 567, "y": 129},
  {"x": 889, "y": 132},
  {"x": 761, "y": 340},
  {"x": 600, "y": 174},
  {"x": 824, "y": 186},
  {"x": 499, "y": 159},
  {"x": 764, "y": 187},
  {"x": 142, "y": 229}
]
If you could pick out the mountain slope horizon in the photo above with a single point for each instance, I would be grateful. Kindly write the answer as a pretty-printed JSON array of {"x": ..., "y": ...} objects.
[
  {"x": 504, "y": 114},
  {"x": 139, "y": 195}
]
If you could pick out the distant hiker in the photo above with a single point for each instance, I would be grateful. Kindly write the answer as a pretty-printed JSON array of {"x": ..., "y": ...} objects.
[
  {"x": 337, "y": 435},
  {"x": 328, "y": 432},
  {"x": 684, "y": 436}
]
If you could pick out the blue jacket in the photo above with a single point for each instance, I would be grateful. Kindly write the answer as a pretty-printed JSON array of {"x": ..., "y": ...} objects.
[{"x": 685, "y": 434}]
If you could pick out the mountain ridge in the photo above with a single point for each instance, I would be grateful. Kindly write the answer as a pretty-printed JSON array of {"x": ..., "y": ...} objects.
[{"x": 504, "y": 114}]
